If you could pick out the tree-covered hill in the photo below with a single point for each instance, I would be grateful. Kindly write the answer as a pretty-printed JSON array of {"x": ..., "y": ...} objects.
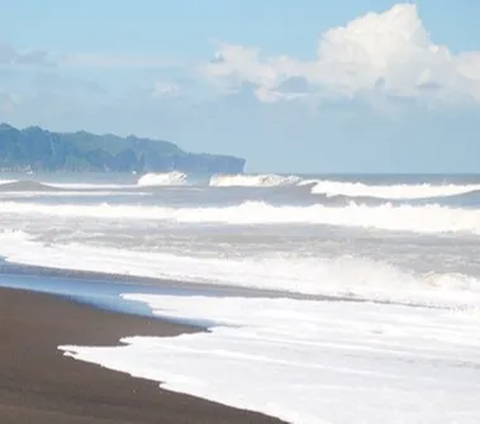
[{"x": 37, "y": 149}]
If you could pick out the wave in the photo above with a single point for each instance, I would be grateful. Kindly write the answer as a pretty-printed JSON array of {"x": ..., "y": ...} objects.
[
  {"x": 90, "y": 186},
  {"x": 427, "y": 219},
  {"x": 309, "y": 359},
  {"x": 398, "y": 191},
  {"x": 349, "y": 190},
  {"x": 174, "y": 178},
  {"x": 262, "y": 180},
  {"x": 32, "y": 185},
  {"x": 2, "y": 182},
  {"x": 344, "y": 276},
  {"x": 26, "y": 186}
]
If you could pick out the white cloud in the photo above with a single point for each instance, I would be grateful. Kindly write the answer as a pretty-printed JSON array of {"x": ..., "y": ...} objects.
[{"x": 390, "y": 52}]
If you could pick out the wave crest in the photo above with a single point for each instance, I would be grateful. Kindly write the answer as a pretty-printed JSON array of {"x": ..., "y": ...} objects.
[
  {"x": 26, "y": 186},
  {"x": 348, "y": 189},
  {"x": 392, "y": 192},
  {"x": 174, "y": 178},
  {"x": 428, "y": 219},
  {"x": 340, "y": 276},
  {"x": 261, "y": 180},
  {"x": 2, "y": 182}
]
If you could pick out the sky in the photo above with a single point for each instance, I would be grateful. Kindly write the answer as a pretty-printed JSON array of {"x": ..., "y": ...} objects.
[{"x": 291, "y": 85}]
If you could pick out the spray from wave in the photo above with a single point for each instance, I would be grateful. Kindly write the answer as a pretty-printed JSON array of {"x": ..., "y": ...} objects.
[{"x": 174, "y": 178}]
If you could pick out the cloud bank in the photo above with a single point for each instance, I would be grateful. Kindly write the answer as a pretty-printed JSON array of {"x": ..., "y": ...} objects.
[{"x": 391, "y": 53}]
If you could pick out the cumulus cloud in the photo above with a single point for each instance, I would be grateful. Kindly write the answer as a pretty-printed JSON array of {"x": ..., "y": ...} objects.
[
  {"x": 9, "y": 56},
  {"x": 389, "y": 52}
]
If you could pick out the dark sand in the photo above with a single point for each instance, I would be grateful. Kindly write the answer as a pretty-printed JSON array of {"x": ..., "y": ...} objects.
[{"x": 39, "y": 385}]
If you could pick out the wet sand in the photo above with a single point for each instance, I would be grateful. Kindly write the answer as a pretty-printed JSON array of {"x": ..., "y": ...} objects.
[{"x": 38, "y": 384}]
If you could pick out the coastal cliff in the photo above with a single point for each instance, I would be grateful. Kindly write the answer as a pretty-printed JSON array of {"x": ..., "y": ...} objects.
[{"x": 37, "y": 149}]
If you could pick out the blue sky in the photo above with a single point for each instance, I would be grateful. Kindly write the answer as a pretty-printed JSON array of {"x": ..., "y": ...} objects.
[{"x": 293, "y": 86}]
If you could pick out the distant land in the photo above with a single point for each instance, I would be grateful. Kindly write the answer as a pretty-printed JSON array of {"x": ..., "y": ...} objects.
[{"x": 36, "y": 149}]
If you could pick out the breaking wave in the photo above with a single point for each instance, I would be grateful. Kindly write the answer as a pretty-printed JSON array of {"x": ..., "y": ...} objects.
[
  {"x": 4, "y": 182},
  {"x": 341, "y": 276},
  {"x": 263, "y": 180},
  {"x": 353, "y": 190},
  {"x": 427, "y": 219},
  {"x": 174, "y": 178},
  {"x": 399, "y": 191}
]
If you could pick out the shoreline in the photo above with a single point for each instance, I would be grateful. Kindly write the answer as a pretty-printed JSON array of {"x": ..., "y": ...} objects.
[
  {"x": 38, "y": 383},
  {"x": 155, "y": 285},
  {"x": 17, "y": 269}
]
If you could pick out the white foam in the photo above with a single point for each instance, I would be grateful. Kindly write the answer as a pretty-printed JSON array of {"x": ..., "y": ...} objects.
[
  {"x": 350, "y": 189},
  {"x": 399, "y": 191},
  {"x": 174, "y": 178},
  {"x": 312, "y": 362},
  {"x": 429, "y": 219},
  {"x": 342, "y": 276},
  {"x": 261, "y": 180},
  {"x": 7, "y": 181}
]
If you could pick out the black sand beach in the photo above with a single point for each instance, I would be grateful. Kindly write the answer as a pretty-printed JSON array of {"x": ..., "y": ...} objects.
[{"x": 39, "y": 385}]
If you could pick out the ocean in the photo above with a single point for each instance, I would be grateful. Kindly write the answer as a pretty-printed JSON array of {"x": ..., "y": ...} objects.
[{"x": 363, "y": 290}]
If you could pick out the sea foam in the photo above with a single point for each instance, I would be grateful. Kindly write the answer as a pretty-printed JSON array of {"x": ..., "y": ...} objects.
[
  {"x": 261, "y": 180},
  {"x": 427, "y": 219},
  {"x": 174, "y": 178},
  {"x": 7, "y": 181},
  {"x": 305, "y": 361},
  {"x": 345, "y": 188},
  {"x": 395, "y": 191},
  {"x": 340, "y": 276}
]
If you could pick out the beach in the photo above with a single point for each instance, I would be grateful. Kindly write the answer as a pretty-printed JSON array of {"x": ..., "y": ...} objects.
[
  {"x": 38, "y": 384},
  {"x": 308, "y": 299}
]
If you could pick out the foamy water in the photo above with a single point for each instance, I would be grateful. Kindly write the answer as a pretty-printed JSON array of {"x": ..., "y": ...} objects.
[
  {"x": 396, "y": 191},
  {"x": 165, "y": 179},
  {"x": 305, "y": 361},
  {"x": 341, "y": 276},
  {"x": 345, "y": 188},
  {"x": 417, "y": 219},
  {"x": 413, "y": 358},
  {"x": 2, "y": 181},
  {"x": 262, "y": 180}
]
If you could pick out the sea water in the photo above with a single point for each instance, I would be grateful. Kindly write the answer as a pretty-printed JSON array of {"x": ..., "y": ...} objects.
[{"x": 386, "y": 329}]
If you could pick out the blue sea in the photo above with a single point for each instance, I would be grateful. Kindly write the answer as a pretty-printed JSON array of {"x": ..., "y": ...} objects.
[{"x": 363, "y": 290}]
